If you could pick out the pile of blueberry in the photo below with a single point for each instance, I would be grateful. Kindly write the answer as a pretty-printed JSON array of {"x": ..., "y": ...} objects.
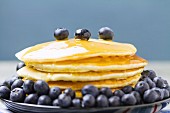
[{"x": 149, "y": 89}]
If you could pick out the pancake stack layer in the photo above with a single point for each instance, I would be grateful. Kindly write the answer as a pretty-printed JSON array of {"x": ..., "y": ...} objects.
[{"x": 74, "y": 63}]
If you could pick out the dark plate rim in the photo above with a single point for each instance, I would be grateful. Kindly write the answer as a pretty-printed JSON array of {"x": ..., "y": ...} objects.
[{"x": 57, "y": 107}]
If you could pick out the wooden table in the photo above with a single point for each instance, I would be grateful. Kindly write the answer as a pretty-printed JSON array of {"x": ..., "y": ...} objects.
[{"x": 162, "y": 68}]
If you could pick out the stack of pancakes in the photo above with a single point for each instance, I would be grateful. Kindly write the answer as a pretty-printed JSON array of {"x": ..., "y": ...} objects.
[{"x": 74, "y": 63}]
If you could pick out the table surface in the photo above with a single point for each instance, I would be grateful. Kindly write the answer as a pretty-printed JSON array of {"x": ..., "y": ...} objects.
[{"x": 162, "y": 68}]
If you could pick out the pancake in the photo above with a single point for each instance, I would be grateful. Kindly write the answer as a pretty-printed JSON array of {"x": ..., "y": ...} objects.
[
  {"x": 30, "y": 73},
  {"x": 92, "y": 64},
  {"x": 111, "y": 83},
  {"x": 73, "y": 50}
]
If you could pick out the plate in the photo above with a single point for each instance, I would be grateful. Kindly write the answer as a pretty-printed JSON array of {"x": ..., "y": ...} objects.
[{"x": 143, "y": 108}]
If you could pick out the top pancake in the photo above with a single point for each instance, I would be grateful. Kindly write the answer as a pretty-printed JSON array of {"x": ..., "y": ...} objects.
[{"x": 73, "y": 50}]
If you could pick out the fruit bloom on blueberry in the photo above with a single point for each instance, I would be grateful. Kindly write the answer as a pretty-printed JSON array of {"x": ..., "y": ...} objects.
[
  {"x": 64, "y": 100},
  {"x": 90, "y": 89},
  {"x": 4, "y": 92},
  {"x": 61, "y": 33},
  {"x": 41, "y": 87},
  {"x": 20, "y": 65},
  {"x": 106, "y": 33},
  {"x": 82, "y": 34},
  {"x": 17, "y": 95}
]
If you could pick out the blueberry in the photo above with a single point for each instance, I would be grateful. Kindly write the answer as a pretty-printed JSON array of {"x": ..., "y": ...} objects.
[
  {"x": 55, "y": 102},
  {"x": 64, "y": 100},
  {"x": 127, "y": 89},
  {"x": 13, "y": 79},
  {"x": 114, "y": 101},
  {"x": 20, "y": 65},
  {"x": 150, "y": 96},
  {"x": 90, "y": 89},
  {"x": 76, "y": 103},
  {"x": 44, "y": 100},
  {"x": 31, "y": 99},
  {"x": 7, "y": 84},
  {"x": 17, "y": 95},
  {"x": 4, "y": 92},
  {"x": 168, "y": 88},
  {"x": 141, "y": 87},
  {"x": 54, "y": 92},
  {"x": 102, "y": 101},
  {"x": 70, "y": 92},
  {"x": 82, "y": 34},
  {"x": 106, "y": 33},
  {"x": 41, "y": 87},
  {"x": 150, "y": 82},
  {"x": 166, "y": 84},
  {"x": 106, "y": 91},
  {"x": 137, "y": 96},
  {"x": 88, "y": 101},
  {"x": 159, "y": 82},
  {"x": 159, "y": 92},
  {"x": 166, "y": 93},
  {"x": 28, "y": 86},
  {"x": 149, "y": 73},
  {"x": 118, "y": 93},
  {"x": 17, "y": 84},
  {"x": 128, "y": 99},
  {"x": 61, "y": 33}
]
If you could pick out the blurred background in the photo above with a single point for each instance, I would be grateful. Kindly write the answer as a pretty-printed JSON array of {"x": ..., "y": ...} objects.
[{"x": 146, "y": 24}]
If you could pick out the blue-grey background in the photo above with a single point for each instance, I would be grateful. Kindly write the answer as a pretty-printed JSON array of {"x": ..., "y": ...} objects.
[{"x": 145, "y": 23}]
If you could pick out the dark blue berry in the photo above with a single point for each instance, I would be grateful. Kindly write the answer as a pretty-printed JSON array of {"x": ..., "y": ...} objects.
[
  {"x": 7, "y": 84},
  {"x": 159, "y": 82},
  {"x": 28, "y": 86},
  {"x": 17, "y": 95},
  {"x": 141, "y": 87},
  {"x": 82, "y": 34},
  {"x": 118, "y": 93},
  {"x": 102, "y": 101},
  {"x": 106, "y": 91},
  {"x": 90, "y": 89},
  {"x": 166, "y": 85},
  {"x": 31, "y": 99},
  {"x": 17, "y": 84},
  {"x": 114, "y": 101},
  {"x": 70, "y": 92},
  {"x": 168, "y": 88},
  {"x": 137, "y": 96},
  {"x": 150, "y": 96},
  {"x": 20, "y": 65},
  {"x": 61, "y": 33},
  {"x": 41, "y": 87},
  {"x": 55, "y": 102},
  {"x": 44, "y": 100},
  {"x": 13, "y": 79},
  {"x": 128, "y": 99},
  {"x": 64, "y": 100},
  {"x": 106, "y": 33},
  {"x": 127, "y": 89},
  {"x": 159, "y": 92},
  {"x": 166, "y": 93},
  {"x": 76, "y": 103},
  {"x": 54, "y": 92},
  {"x": 4, "y": 92},
  {"x": 88, "y": 101},
  {"x": 149, "y": 73},
  {"x": 150, "y": 82}
]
